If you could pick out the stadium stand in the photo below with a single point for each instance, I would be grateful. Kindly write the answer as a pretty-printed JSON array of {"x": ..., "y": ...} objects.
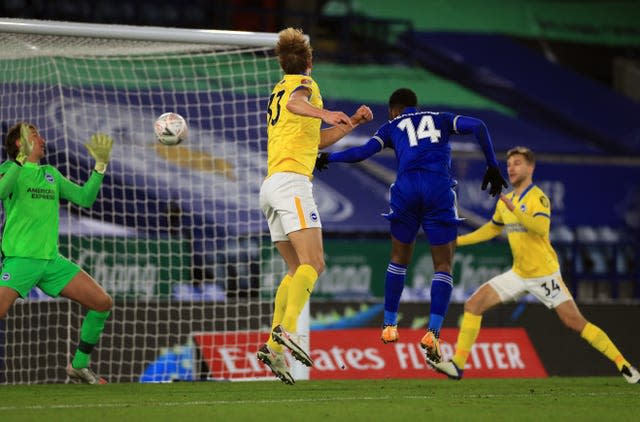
[
  {"x": 554, "y": 96},
  {"x": 559, "y": 113}
]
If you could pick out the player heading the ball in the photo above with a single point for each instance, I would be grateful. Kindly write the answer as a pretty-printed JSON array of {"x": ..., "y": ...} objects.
[{"x": 294, "y": 115}]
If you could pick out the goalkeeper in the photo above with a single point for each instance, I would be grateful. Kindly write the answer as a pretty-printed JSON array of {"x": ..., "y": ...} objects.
[{"x": 30, "y": 194}]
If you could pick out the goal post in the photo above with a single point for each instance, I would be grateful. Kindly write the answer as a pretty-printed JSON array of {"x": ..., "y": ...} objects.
[{"x": 176, "y": 235}]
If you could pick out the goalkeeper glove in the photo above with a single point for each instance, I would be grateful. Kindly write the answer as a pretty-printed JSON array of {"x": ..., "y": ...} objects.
[
  {"x": 322, "y": 162},
  {"x": 494, "y": 179},
  {"x": 26, "y": 146},
  {"x": 99, "y": 147}
]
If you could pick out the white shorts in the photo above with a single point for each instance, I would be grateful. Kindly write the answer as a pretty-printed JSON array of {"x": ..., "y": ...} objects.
[
  {"x": 549, "y": 290},
  {"x": 286, "y": 199}
]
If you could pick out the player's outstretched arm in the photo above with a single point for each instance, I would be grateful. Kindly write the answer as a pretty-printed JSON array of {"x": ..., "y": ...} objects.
[
  {"x": 299, "y": 104},
  {"x": 99, "y": 147},
  {"x": 486, "y": 232},
  {"x": 538, "y": 223},
  {"x": 362, "y": 115},
  {"x": 493, "y": 177},
  {"x": 350, "y": 155},
  {"x": 333, "y": 134}
]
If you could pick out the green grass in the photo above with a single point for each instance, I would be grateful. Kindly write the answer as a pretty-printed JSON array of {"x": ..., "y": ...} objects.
[{"x": 372, "y": 400}]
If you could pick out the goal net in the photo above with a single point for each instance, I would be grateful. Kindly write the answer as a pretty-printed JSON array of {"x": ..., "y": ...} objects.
[{"x": 176, "y": 236}]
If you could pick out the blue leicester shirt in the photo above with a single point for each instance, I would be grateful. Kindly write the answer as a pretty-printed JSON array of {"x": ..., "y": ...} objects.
[{"x": 420, "y": 140}]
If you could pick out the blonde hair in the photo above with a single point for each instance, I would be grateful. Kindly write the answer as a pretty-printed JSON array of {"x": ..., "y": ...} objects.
[
  {"x": 294, "y": 51},
  {"x": 524, "y": 151}
]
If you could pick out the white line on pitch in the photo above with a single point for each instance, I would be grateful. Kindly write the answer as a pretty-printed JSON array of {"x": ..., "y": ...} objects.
[{"x": 306, "y": 400}]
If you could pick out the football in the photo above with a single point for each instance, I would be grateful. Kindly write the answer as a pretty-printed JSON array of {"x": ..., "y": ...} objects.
[{"x": 171, "y": 129}]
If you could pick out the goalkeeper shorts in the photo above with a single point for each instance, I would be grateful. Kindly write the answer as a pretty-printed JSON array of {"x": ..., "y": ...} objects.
[
  {"x": 286, "y": 199},
  {"x": 50, "y": 275}
]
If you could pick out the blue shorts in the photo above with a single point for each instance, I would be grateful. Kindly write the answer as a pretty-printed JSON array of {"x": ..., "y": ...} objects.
[{"x": 421, "y": 198}]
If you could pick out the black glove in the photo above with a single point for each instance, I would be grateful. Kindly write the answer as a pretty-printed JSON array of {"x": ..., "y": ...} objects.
[
  {"x": 494, "y": 178},
  {"x": 322, "y": 162}
]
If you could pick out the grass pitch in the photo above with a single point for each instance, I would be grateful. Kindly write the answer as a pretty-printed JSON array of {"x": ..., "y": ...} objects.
[{"x": 583, "y": 399}]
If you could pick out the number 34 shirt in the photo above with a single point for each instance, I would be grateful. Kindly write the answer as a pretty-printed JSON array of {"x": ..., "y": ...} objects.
[{"x": 533, "y": 255}]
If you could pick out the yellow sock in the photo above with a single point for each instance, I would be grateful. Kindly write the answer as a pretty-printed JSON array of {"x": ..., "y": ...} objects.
[
  {"x": 599, "y": 340},
  {"x": 279, "y": 307},
  {"x": 300, "y": 289},
  {"x": 469, "y": 330}
]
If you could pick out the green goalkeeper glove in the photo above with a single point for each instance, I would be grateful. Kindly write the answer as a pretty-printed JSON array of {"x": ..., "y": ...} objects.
[
  {"x": 99, "y": 147},
  {"x": 26, "y": 146}
]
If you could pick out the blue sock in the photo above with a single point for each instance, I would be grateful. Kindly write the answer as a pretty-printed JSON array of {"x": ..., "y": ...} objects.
[
  {"x": 441, "y": 287},
  {"x": 393, "y": 286}
]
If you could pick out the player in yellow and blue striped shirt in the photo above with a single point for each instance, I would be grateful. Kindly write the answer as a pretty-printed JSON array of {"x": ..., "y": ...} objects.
[{"x": 525, "y": 214}]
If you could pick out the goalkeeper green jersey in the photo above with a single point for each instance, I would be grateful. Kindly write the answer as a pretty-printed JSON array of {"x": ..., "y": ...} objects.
[{"x": 31, "y": 199}]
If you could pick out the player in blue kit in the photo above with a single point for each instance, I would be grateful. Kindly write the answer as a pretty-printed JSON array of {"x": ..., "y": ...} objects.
[{"x": 422, "y": 195}]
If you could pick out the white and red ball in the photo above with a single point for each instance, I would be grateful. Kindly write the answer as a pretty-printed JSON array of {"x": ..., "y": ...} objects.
[{"x": 171, "y": 129}]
